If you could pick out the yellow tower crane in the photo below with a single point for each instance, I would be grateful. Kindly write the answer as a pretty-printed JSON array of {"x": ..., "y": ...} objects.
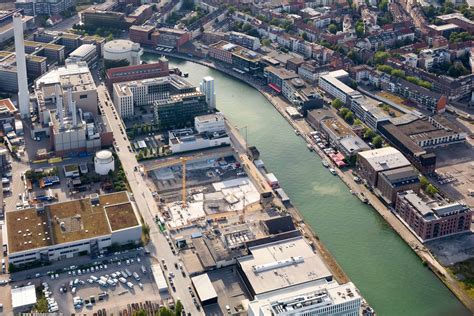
[{"x": 174, "y": 162}]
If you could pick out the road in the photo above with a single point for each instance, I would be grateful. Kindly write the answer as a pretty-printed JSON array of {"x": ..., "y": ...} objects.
[
  {"x": 145, "y": 202},
  {"x": 66, "y": 23}
]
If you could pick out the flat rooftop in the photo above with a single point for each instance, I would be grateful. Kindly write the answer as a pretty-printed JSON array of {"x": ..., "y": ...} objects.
[
  {"x": 69, "y": 221},
  {"x": 385, "y": 158},
  {"x": 301, "y": 297},
  {"x": 281, "y": 73},
  {"x": 6, "y": 105},
  {"x": 121, "y": 216},
  {"x": 282, "y": 264},
  {"x": 337, "y": 127}
]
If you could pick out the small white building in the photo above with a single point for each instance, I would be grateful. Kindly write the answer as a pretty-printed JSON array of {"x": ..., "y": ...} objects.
[
  {"x": 209, "y": 123},
  {"x": 23, "y": 298},
  {"x": 186, "y": 139}
]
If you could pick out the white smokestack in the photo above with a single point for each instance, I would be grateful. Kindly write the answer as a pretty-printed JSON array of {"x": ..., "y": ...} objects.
[
  {"x": 59, "y": 107},
  {"x": 23, "y": 94},
  {"x": 74, "y": 114},
  {"x": 69, "y": 100}
]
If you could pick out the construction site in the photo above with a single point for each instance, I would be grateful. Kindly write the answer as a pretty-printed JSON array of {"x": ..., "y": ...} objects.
[{"x": 214, "y": 204}]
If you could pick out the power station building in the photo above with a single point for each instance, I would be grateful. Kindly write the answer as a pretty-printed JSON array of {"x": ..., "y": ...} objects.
[{"x": 67, "y": 111}]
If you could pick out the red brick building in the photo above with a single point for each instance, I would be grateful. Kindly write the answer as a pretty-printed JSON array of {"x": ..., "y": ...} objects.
[
  {"x": 138, "y": 72},
  {"x": 430, "y": 221},
  {"x": 145, "y": 35}
]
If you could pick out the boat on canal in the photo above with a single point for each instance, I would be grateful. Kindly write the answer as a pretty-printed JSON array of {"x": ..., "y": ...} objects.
[{"x": 325, "y": 163}]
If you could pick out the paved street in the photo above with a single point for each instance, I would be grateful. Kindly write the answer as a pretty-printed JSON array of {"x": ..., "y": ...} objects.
[{"x": 146, "y": 204}]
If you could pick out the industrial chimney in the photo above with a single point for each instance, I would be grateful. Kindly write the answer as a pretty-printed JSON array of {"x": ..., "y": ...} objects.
[
  {"x": 59, "y": 107},
  {"x": 23, "y": 94}
]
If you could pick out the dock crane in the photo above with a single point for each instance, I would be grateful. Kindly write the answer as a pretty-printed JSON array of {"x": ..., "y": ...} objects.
[{"x": 177, "y": 161}]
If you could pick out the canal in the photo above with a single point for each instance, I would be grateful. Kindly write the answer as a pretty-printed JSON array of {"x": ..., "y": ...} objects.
[{"x": 390, "y": 276}]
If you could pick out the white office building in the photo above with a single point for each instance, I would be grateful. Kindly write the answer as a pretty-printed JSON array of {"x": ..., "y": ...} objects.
[
  {"x": 326, "y": 298},
  {"x": 129, "y": 94},
  {"x": 332, "y": 84},
  {"x": 207, "y": 88}
]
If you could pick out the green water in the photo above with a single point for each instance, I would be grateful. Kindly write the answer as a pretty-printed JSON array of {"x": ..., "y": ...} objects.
[{"x": 389, "y": 275}]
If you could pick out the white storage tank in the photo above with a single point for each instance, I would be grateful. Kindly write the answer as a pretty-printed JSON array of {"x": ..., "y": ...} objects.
[
  {"x": 104, "y": 162},
  {"x": 123, "y": 49}
]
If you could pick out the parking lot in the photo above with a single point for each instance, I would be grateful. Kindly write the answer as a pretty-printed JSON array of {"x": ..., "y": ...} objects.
[
  {"x": 455, "y": 173},
  {"x": 110, "y": 286}
]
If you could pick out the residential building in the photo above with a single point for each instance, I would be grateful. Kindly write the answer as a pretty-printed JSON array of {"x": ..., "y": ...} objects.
[
  {"x": 139, "y": 15},
  {"x": 221, "y": 51},
  {"x": 173, "y": 38},
  {"x": 247, "y": 61},
  {"x": 144, "y": 34},
  {"x": 300, "y": 94},
  {"x": 97, "y": 18},
  {"x": 430, "y": 100},
  {"x": 277, "y": 76},
  {"x": 431, "y": 220},
  {"x": 392, "y": 182},
  {"x": 68, "y": 229},
  {"x": 6, "y": 24},
  {"x": 371, "y": 163},
  {"x": 44, "y": 7},
  {"x": 332, "y": 84},
  {"x": 367, "y": 110},
  {"x": 244, "y": 40}
]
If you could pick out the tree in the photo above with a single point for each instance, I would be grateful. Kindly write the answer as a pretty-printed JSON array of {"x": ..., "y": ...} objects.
[
  {"x": 369, "y": 134},
  {"x": 360, "y": 28},
  {"x": 457, "y": 70},
  {"x": 398, "y": 73},
  {"x": 383, "y": 5},
  {"x": 344, "y": 112},
  {"x": 41, "y": 305},
  {"x": 381, "y": 57},
  {"x": 246, "y": 27},
  {"x": 305, "y": 36},
  {"x": 187, "y": 5},
  {"x": 431, "y": 190},
  {"x": 140, "y": 312},
  {"x": 424, "y": 182},
  {"x": 178, "y": 308},
  {"x": 357, "y": 122},
  {"x": 266, "y": 42},
  {"x": 337, "y": 104},
  {"x": 377, "y": 141},
  {"x": 349, "y": 117},
  {"x": 332, "y": 28},
  {"x": 165, "y": 312}
]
